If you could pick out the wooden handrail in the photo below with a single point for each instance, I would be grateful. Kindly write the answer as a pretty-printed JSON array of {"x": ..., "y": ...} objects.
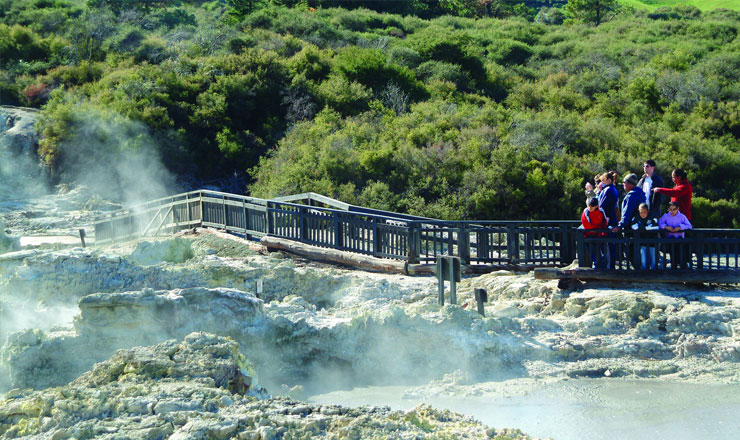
[{"x": 498, "y": 243}]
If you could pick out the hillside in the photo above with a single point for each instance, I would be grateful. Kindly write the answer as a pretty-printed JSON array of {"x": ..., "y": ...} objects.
[
  {"x": 704, "y": 5},
  {"x": 445, "y": 116}
]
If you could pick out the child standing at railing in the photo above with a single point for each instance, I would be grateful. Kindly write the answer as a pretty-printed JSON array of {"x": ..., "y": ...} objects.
[
  {"x": 675, "y": 223},
  {"x": 643, "y": 223},
  {"x": 594, "y": 217}
]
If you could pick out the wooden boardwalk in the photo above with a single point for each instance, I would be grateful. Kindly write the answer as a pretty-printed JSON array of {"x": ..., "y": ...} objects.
[{"x": 316, "y": 220}]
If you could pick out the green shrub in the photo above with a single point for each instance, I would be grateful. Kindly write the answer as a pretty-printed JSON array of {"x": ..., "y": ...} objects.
[
  {"x": 370, "y": 68},
  {"x": 715, "y": 214},
  {"x": 177, "y": 17},
  {"x": 348, "y": 98},
  {"x": 10, "y": 94},
  {"x": 404, "y": 56},
  {"x": 20, "y": 43},
  {"x": 435, "y": 43},
  {"x": 441, "y": 71},
  {"x": 509, "y": 52}
]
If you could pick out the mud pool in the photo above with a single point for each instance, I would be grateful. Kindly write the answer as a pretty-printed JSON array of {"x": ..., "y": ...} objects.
[{"x": 581, "y": 408}]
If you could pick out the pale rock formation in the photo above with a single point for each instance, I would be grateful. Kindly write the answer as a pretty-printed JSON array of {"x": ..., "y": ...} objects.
[
  {"x": 176, "y": 250},
  {"x": 318, "y": 321},
  {"x": 19, "y": 164},
  {"x": 203, "y": 387},
  {"x": 8, "y": 243}
]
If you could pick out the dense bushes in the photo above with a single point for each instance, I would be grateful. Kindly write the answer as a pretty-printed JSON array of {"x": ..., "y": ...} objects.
[{"x": 450, "y": 117}]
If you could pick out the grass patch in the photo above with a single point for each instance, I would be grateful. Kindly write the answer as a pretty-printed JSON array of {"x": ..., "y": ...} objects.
[{"x": 704, "y": 5}]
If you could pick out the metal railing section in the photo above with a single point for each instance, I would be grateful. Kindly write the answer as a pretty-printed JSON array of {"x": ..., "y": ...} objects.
[
  {"x": 354, "y": 229},
  {"x": 699, "y": 250}
]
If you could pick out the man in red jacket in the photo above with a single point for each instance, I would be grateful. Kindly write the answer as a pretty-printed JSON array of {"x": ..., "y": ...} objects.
[
  {"x": 681, "y": 192},
  {"x": 594, "y": 217}
]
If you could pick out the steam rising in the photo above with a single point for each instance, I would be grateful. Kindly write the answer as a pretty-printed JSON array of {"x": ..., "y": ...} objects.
[{"x": 115, "y": 157}]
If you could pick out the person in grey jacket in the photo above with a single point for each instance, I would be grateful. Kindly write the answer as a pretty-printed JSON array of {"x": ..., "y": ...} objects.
[
  {"x": 647, "y": 182},
  {"x": 631, "y": 202}
]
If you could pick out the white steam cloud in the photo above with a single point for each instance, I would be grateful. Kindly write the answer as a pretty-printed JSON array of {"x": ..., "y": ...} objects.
[{"x": 115, "y": 157}]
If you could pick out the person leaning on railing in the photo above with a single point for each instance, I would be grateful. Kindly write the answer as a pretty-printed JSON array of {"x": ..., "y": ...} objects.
[
  {"x": 681, "y": 191},
  {"x": 631, "y": 202},
  {"x": 594, "y": 221},
  {"x": 675, "y": 223},
  {"x": 644, "y": 223},
  {"x": 608, "y": 198}
]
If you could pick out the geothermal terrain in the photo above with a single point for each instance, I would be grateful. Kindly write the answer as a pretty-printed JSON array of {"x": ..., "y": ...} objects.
[{"x": 205, "y": 335}]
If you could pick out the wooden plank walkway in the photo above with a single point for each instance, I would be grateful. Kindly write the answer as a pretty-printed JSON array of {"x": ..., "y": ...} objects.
[{"x": 320, "y": 221}]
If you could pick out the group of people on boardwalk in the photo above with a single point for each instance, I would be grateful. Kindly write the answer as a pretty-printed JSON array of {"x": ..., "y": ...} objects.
[{"x": 640, "y": 211}]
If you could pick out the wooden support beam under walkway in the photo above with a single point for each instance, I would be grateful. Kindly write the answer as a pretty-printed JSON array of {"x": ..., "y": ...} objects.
[
  {"x": 640, "y": 276},
  {"x": 360, "y": 261}
]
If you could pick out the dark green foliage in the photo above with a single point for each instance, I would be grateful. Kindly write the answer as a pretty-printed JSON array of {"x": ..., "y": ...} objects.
[
  {"x": 370, "y": 67},
  {"x": 510, "y": 52},
  {"x": 591, "y": 11},
  {"x": 177, "y": 17},
  {"x": 441, "y": 71},
  {"x": 715, "y": 214},
  {"x": 440, "y": 44}
]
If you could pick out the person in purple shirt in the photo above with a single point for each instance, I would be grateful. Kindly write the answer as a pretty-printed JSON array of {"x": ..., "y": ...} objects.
[{"x": 675, "y": 223}]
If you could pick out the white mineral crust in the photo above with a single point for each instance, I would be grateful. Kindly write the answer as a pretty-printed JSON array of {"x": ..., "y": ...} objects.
[{"x": 202, "y": 388}]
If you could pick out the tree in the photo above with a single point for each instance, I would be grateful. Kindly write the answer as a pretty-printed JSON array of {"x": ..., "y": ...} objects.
[
  {"x": 591, "y": 11},
  {"x": 241, "y": 8}
]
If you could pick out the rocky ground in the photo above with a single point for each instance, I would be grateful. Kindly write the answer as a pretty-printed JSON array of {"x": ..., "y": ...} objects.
[
  {"x": 306, "y": 318},
  {"x": 202, "y": 388},
  {"x": 304, "y": 325}
]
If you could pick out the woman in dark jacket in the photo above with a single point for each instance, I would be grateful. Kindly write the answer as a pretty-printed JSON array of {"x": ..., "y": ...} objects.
[{"x": 608, "y": 199}]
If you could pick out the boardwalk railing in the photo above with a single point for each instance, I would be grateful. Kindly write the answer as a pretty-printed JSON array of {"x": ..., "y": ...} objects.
[
  {"x": 325, "y": 222},
  {"x": 699, "y": 250},
  {"x": 349, "y": 228}
]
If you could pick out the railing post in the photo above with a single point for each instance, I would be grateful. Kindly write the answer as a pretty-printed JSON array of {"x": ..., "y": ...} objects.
[
  {"x": 412, "y": 254},
  {"x": 581, "y": 249},
  {"x": 512, "y": 244},
  {"x": 698, "y": 248},
  {"x": 303, "y": 224},
  {"x": 187, "y": 207},
  {"x": 200, "y": 204},
  {"x": 246, "y": 218},
  {"x": 376, "y": 237},
  {"x": 270, "y": 220},
  {"x": 482, "y": 245},
  {"x": 463, "y": 243},
  {"x": 636, "y": 244},
  {"x": 566, "y": 257},
  {"x": 223, "y": 204},
  {"x": 481, "y": 296},
  {"x": 338, "y": 231},
  {"x": 453, "y": 266},
  {"x": 442, "y": 268}
]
